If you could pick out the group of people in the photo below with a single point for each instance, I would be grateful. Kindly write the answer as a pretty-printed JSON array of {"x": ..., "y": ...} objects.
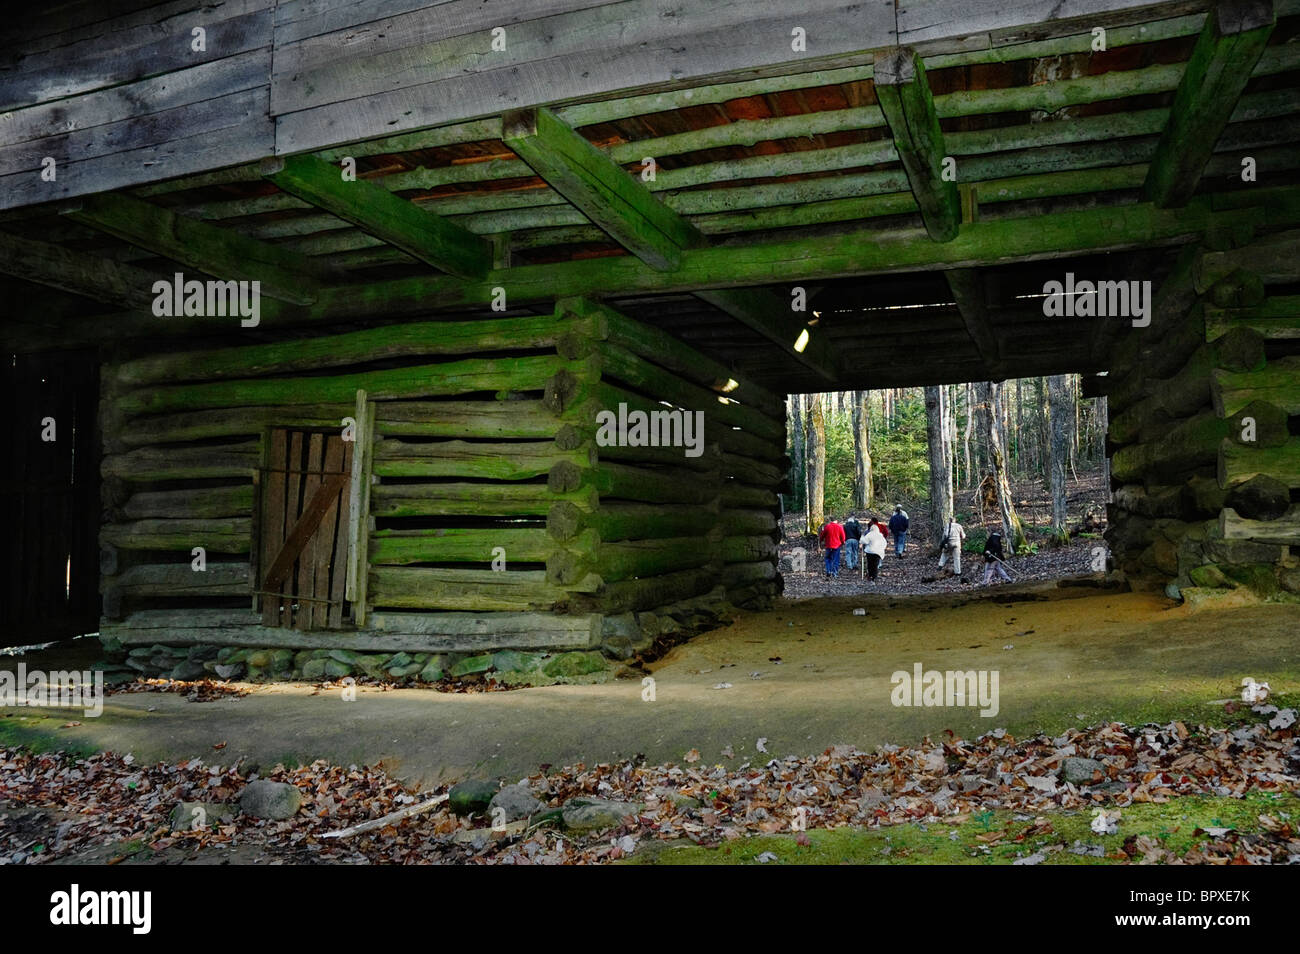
[
  {"x": 854, "y": 540},
  {"x": 851, "y": 538}
]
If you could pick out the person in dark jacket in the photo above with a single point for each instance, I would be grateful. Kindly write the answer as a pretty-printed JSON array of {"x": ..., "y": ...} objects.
[
  {"x": 993, "y": 558},
  {"x": 852, "y": 536},
  {"x": 898, "y": 525}
]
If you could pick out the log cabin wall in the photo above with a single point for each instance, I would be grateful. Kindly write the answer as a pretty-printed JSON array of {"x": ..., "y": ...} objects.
[
  {"x": 490, "y": 512},
  {"x": 1205, "y": 461}
]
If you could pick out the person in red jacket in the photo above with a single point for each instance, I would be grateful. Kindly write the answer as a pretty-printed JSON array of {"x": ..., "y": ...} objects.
[{"x": 831, "y": 539}]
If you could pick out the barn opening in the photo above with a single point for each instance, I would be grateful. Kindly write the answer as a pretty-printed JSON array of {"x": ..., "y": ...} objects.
[{"x": 471, "y": 287}]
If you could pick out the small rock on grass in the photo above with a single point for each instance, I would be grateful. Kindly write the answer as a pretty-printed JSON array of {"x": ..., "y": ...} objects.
[
  {"x": 517, "y": 801},
  {"x": 594, "y": 814},
  {"x": 266, "y": 799}
]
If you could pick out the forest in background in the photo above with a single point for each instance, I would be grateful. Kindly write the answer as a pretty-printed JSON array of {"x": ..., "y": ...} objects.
[{"x": 952, "y": 449}]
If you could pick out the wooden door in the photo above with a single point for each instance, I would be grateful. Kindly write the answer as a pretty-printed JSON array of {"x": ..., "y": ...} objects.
[{"x": 303, "y": 526}]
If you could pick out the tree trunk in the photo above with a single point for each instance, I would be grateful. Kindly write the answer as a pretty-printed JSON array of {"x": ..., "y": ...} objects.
[
  {"x": 815, "y": 456},
  {"x": 965, "y": 437},
  {"x": 797, "y": 461},
  {"x": 940, "y": 472},
  {"x": 862, "y": 498},
  {"x": 1060, "y": 416},
  {"x": 1013, "y": 531}
]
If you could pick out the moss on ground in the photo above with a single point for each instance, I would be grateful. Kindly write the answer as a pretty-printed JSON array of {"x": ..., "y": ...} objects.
[{"x": 991, "y": 838}]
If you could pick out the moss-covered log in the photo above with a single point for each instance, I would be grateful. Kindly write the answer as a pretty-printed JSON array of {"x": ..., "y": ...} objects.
[
  {"x": 1195, "y": 442},
  {"x": 651, "y": 592},
  {"x": 626, "y": 560},
  {"x": 607, "y": 396},
  {"x": 748, "y": 521},
  {"x": 529, "y": 545},
  {"x": 480, "y": 590},
  {"x": 630, "y": 521},
  {"x": 146, "y": 464},
  {"x": 181, "y": 579},
  {"x": 428, "y": 380},
  {"x": 618, "y": 481},
  {"x": 1275, "y": 259},
  {"x": 205, "y": 425},
  {"x": 478, "y": 500},
  {"x": 1152, "y": 403},
  {"x": 1285, "y": 530},
  {"x": 303, "y": 353},
  {"x": 520, "y": 460},
  {"x": 663, "y": 349},
  {"x": 1277, "y": 384},
  {"x": 1239, "y": 463},
  {"x": 732, "y": 493},
  {"x": 390, "y": 632},
  {"x": 190, "y": 504},
  {"x": 1276, "y": 318},
  {"x": 622, "y": 365},
  {"x": 748, "y": 549},
  {"x": 231, "y": 535},
  {"x": 525, "y": 419}
]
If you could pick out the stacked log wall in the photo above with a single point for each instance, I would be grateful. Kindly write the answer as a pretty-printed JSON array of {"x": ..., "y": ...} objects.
[
  {"x": 1205, "y": 452},
  {"x": 464, "y": 439},
  {"x": 677, "y": 537},
  {"x": 495, "y": 518}
]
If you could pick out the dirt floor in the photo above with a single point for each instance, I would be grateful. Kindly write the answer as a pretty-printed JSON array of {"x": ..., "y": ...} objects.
[{"x": 805, "y": 676}]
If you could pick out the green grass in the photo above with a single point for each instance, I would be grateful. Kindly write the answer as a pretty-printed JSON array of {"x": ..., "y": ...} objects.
[{"x": 970, "y": 840}]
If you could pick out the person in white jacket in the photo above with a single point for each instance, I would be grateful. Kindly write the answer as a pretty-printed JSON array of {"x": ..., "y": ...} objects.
[
  {"x": 873, "y": 545},
  {"x": 950, "y": 547}
]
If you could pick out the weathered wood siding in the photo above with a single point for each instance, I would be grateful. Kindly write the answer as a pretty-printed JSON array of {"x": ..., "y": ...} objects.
[{"x": 121, "y": 97}]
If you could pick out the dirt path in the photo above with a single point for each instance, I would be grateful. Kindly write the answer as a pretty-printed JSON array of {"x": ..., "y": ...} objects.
[{"x": 805, "y": 676}]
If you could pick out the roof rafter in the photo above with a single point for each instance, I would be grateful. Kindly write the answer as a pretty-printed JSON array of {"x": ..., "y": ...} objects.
[
  {"x": 967, "y": 287},
  {"x": 1230, "y": 44},
  {"x": 905, "y": 98},
  {"x": 220, "y": 252},
  {"x": 115, "y": 283},
  {"x": 376, "y": 211},
  {"x": 616, "y": 201}
]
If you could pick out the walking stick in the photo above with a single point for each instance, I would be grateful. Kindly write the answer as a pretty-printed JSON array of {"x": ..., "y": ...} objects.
[{"x": 1005, "y": 565}]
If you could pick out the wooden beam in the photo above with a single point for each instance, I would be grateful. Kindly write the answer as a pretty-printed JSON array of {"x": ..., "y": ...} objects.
[
  {"x": 967, "y": 287},
  {"x": 622, "y": 206},
  {"x": 905, "y": 97},
  {"x": 376, "y": 211},
  {"x": 1230, "y": 44},
  {"x": 599, "y": 188},
  {"x": 220, "y": 252},
  {"x": 857, "y": 252},
  {"x": 765, "y": 312},
  {"x": 115, "y": 283}
]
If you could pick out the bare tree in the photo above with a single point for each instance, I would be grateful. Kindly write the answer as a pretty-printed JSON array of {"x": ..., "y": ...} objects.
[
  {"x": 940, "y": 472},
  {"x": 862, "y": 491},
  {"x": 1060, "y": 418},
  {"x": 797, "y": 468},
  {"x": 990, "y": 398},
  {"x": 815, "y": 456}
]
